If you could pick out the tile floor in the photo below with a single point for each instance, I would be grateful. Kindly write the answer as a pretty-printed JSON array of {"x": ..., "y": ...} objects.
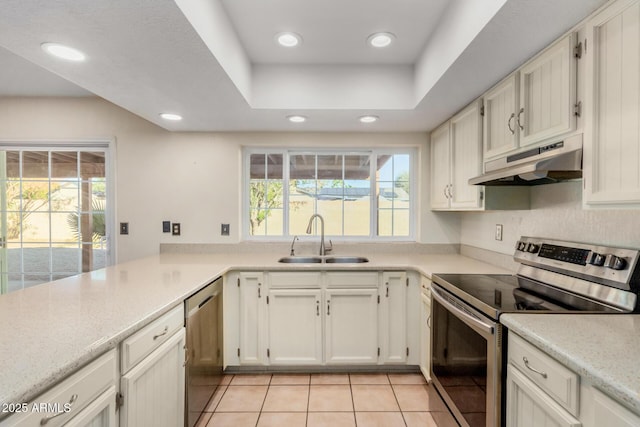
[{"x": 336, "y": 400}]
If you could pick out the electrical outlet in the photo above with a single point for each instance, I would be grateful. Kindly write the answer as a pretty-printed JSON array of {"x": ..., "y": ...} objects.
[
  {"x": 224, "y": 230},
  {"x": 124, "y": 228},
  {"x": 175, "y": 228},
  {"x": 498, "y": 231}
]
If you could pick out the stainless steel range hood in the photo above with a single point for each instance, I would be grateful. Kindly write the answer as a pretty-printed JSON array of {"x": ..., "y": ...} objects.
[{"x": 552, "y": 163}]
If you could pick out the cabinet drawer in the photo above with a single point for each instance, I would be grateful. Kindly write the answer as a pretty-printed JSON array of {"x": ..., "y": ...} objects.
[
  {"x": 364, "y": 279},
  {"x": 287, "y": 280},
  {"x": 558, "y": 381},
  {"x": 68, "y": 398},
  {"x": 139, "y": 345}
]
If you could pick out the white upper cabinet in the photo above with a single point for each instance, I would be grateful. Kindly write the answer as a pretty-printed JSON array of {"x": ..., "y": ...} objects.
[
  {"x": 500, "y": 128},
  {"x": 535, "y": 104},
  {"x": 548, "y": 93},
  {"x": 612, "y": 135},
  {"x": 455, "y": 158},
  {"x": 466, "y": 157},
  {"x": 440, "y": 167}
]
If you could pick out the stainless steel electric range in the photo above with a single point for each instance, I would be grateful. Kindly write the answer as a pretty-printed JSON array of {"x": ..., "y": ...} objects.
[{"x": 467, "y": 345}]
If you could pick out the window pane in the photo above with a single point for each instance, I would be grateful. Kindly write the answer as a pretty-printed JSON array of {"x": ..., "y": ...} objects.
[
  {"x": 64, "y": 164},
  {"x": 66, "y": 258},
  {"x": 302, "y": 166},
  {"x": 302, "y": 204},
  {"x": 35, "y": 196},
  {"x": 37, "y": 258},
  {"x": 35, "y": 227},
  {"x": 265, "y": 198},
  {"x": 35, "y": 165},
  {"x": 394, "y": 195},
  {"x": 274, "y": 166}
]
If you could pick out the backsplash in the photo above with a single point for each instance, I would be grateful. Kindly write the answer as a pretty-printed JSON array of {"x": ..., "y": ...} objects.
[{"x": 556, "y": 212}]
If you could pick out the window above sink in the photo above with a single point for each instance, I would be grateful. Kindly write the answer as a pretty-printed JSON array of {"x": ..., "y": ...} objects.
[{"x": 362, "y": 194}]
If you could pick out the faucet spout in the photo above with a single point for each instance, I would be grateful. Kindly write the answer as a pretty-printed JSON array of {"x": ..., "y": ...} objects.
[{"x": 314, "y": 216}]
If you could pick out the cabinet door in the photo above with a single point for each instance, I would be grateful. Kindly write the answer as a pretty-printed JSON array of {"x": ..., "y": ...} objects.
[
  {"x": 253, "y": 319},
  {"x": 351, "y": 326},
  {"x": 154, "y": 389},
  {"x": 100, "y": 413},
  {"x": 425, "y": 333},
  {"x": 529, "y": 406},
  {"x": 440, "y": 164},
  {"x": 612, "y": 135},
  {"x": 466, "y": 142},
  {"x": 393, "y": 317},
  {"x": 295, "y": 326},
  {"x": 499, "y": 121},
  {"x": 548, "y": 93},
  {"x": 607, "y": 412}
]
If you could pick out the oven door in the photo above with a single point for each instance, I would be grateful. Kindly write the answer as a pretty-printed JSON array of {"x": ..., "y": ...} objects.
[{"x": 466, "y": 360}]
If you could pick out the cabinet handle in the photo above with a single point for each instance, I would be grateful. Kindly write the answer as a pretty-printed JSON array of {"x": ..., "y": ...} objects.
[
  {"x": 317, "y": 308},
  {"x": 518, "y": 119},
  {"x": 45, "y": 420},
  {"x": 259, "y": 295},
  {"x": 449, "y": 191},
  {"x": 512, "y": 130},
  {"x": 387, "y": 294},
  {"x": 526, "y": 363},
  {"x": 444, "y": 190},
  {"x": 429, "y": 321},
  {"x": 328, "y": 307},
  {"x": 186, "y": 356},
  {"x": 163, "y": 333}
]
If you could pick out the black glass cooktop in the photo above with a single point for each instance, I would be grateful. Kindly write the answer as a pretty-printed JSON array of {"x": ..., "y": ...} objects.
[{"x": 496, "y": 294}]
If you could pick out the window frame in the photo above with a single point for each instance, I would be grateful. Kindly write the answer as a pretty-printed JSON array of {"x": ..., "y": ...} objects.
[
  {"x": 108, "y": 146},
  {"x": 373, "y": 153}
]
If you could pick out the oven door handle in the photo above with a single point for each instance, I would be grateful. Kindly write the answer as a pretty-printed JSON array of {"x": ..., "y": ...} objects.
[{"x": 460, "y": 314}]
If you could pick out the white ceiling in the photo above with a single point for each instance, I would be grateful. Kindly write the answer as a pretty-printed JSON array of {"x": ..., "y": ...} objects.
[{"x": 216, "y": 63}]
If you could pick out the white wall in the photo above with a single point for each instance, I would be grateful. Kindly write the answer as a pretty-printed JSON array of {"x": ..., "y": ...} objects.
[
  {"x": 556, "y": 212},
  {"x": 191, "y": 178}
]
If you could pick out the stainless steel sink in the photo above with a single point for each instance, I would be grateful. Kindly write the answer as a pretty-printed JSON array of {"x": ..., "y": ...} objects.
[
  {"x": 346, "y": 260},
  {"x": 301, "y": 260}
]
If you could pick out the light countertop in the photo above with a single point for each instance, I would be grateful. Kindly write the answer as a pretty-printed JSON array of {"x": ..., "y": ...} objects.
[
  {"x": 50, "y": 330},
  {"x": 602, "y": 349}
]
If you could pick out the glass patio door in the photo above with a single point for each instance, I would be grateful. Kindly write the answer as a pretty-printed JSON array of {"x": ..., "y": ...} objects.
[{"x": 53, "y": 214}]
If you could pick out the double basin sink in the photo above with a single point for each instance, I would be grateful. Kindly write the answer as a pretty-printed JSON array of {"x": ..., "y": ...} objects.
[{"x": 323, "y": 259}]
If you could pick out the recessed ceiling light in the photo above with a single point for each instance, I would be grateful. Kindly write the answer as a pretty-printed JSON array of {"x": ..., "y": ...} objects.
[
  {"x": 297, "y": 119},
  {"x": 288, "y": 39},
  {"x": 368, "y": 119},
  {"x": 171, "y": 116},
  {"x": 381, "y": 39},
  {"x": 63, "y": 52}
]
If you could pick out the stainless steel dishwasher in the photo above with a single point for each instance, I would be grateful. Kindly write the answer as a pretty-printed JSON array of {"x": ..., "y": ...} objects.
[{"x": 203, "y": 320}]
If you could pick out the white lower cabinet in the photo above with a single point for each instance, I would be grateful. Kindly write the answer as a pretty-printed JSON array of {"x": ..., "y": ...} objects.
[
  {"x": 351, "y": 326},
  {"x": 542, "y": 392},
  {"x": 321, "y": 318},
  {"x": 529, "y": 406},
  {"x": 152, "y": 373},
  {"x": 79, "y": 400},
  {"x": 393, "y": 317},
  {"x": 100, "y": 413},
  {"x": 425, "y": 329},
  {"x": 253, "y": 319},
  {"x": 295, "y": 326},
  {"x": 153, "y": 390}
]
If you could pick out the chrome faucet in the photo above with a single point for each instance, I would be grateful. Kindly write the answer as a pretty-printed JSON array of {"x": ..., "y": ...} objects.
[
  {"x": 323, "y": 250},
  {"x": 292, "y": 253}
]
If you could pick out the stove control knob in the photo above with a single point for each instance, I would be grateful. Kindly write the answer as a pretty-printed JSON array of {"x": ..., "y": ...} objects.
[
  {"x": 521, "y": 246},
  {"x": 615, "y": 263},
  {"x": 596, "y": 259},
  {"x": 533, "y": 248}
]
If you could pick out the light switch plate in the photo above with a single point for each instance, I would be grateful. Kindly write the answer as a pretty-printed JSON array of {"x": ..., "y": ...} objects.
[
  {"x": 224, "y": 229},
  {"x": 498, "y": 231},
  {"x": 124, "y": 228}
]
